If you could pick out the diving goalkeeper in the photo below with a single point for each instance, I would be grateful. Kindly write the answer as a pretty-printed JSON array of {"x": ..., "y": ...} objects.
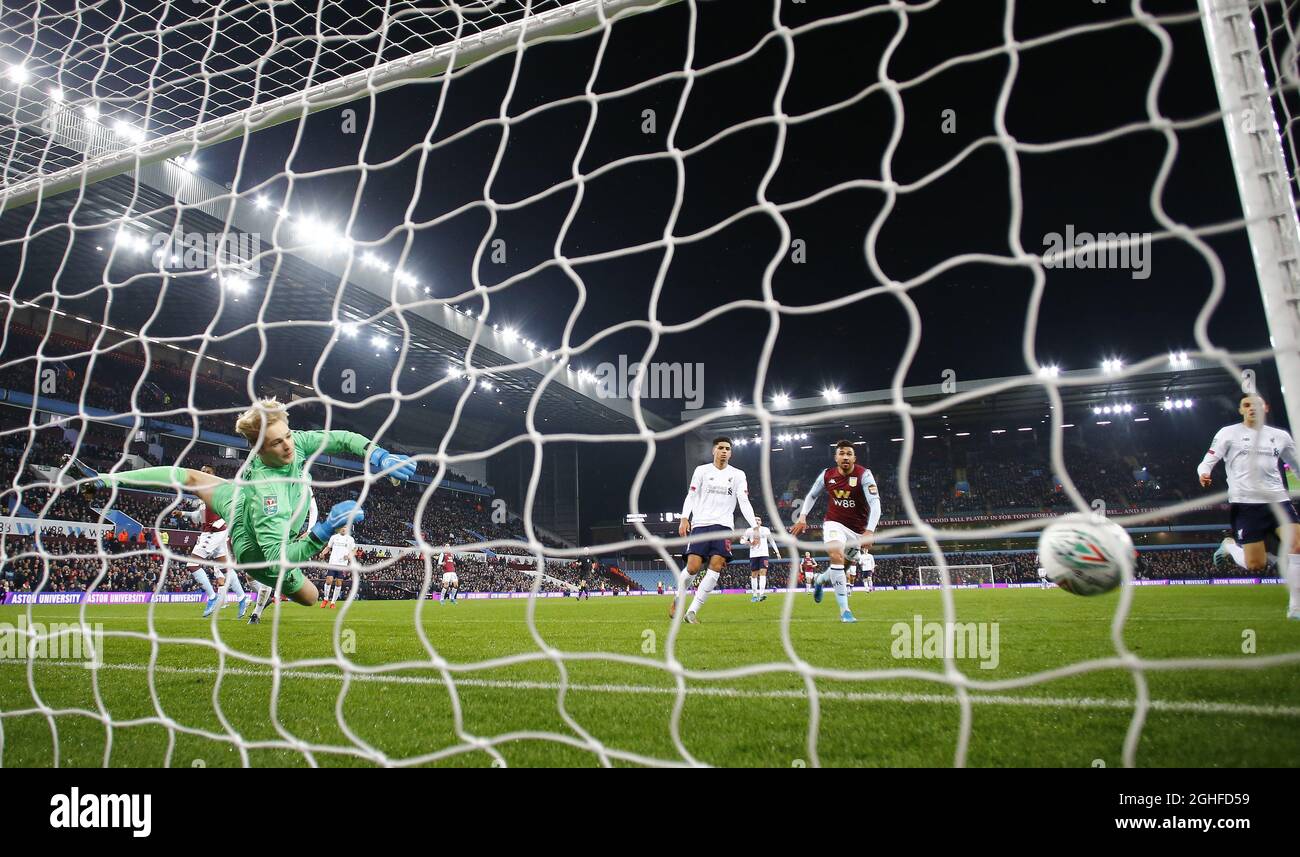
[{"x": 266, "y": 506}]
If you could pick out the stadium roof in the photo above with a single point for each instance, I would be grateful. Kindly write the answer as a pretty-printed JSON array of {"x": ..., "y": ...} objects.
[
  {"x": 292, "y": 325},
  {"x": 1007, "y": 397}
]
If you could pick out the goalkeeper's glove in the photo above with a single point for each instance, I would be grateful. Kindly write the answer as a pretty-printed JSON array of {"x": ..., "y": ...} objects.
[
  {"x": 382, "y": 459},
  {"x": 347, "y": 512}
]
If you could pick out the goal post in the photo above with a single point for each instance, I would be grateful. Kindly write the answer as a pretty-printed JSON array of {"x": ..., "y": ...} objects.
[{"x": 1264, "y": 181}]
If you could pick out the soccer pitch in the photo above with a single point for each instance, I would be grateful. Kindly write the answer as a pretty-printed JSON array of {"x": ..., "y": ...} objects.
[{"x": 1201, "y": 717}]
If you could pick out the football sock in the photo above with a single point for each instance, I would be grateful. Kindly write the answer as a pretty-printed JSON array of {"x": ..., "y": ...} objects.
[
  {"x": 702, "y": 591},
  {"x": 1292, "y": 578},
  {"x": 837, "y": 580},
  {"x": 201, "y": 578},
  {"x": 1237, "y": 553},
  {"x": 762, "y": 584}
]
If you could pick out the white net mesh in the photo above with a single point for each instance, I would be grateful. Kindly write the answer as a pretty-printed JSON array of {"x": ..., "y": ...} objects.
[{"x": 99, "y": 99}]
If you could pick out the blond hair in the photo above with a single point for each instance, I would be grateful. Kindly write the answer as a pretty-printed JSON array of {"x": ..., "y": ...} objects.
[{"x": 265, "y": 413}]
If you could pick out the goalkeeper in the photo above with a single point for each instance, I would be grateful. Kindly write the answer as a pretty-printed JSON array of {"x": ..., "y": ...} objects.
[{"x": 266, "y": 506}]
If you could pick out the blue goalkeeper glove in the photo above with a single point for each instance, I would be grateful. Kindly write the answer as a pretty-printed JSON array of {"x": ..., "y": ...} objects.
[
  {"x": 347, "y": 512},
  {"x": 382, "y": 459}
]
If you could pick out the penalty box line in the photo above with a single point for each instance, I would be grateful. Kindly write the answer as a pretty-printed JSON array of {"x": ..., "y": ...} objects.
[{"x": 1083, "y": 702}]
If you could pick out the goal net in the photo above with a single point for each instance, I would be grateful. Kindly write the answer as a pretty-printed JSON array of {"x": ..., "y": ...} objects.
[{"x": 549, "y": 249}]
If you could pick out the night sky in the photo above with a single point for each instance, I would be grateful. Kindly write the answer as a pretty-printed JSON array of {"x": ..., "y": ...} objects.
[{"x": 973, "y": 316}]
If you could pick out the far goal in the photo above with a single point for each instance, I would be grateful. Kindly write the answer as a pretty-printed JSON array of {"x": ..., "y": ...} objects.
[{"x": 958, "y": 575}]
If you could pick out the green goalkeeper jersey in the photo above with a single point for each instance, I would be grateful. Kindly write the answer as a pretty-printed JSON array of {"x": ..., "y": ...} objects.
[{"x": 266, "y": 506}]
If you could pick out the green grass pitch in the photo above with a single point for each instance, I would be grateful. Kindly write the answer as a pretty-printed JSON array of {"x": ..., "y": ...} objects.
[{"x": 1200, "y": 717}]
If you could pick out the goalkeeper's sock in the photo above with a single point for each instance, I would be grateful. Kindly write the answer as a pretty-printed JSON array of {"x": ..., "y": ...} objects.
[
  {"x": 152, "y": 477},
  {"x": 264, "y": 596},
  {"x": 702, "y": 591},
  {"x": 1237, "y": 553},
  {"x": 201, "y": 578}
]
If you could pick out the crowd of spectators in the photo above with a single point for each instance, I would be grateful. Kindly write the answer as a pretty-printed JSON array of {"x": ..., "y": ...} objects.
[
  {"x": 73, "y": 564},
  {"x": 993, "y": 479},
  {"x": 1009, "y": 567}
]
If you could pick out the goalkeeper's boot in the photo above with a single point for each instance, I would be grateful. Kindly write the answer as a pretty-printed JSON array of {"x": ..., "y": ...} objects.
[
  {"x": 847, "y": 617},
  {"x": 89, "y": 488},
  {"x": 817, "y": 589},
  {"x": 323, "y": 603},
  {"x": 1223, "y": 561},
  {"x": 334, "y": 605},
  {"x": 762, "y": 597},
  {"x": 243, "y": 607},
  {"x": 211, "y": 606},
  {"x": 690, "y": 618},
  {"x": 1294, "y": 614},
  {"x": 255, "y": 619}
]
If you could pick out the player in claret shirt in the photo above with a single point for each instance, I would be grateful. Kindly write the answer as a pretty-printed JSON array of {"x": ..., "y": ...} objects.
[
  {"x": 852, "y": 512},
  {"x": 212, "y": 547},
  {"x": 1258, "y": 502},
  {"x": 708, "y": 512}
]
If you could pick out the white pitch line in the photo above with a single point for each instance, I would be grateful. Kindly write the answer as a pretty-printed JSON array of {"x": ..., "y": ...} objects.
[{"x": 1086, "y": 703}]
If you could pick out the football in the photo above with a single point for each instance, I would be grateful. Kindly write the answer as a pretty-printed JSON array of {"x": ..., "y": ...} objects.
[{"x": 1085, "y": 553}]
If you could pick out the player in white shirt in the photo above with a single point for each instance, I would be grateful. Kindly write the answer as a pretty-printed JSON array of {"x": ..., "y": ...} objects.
[
  {"x": 342, "y": 552},
  {"x": 867, "y": 563},
  {"x": 1043, "y": 582},
  {"x": 759, "y": 539},
  {"x": 709, "y": 511},
  {"x": 1258, "y": 501}
]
